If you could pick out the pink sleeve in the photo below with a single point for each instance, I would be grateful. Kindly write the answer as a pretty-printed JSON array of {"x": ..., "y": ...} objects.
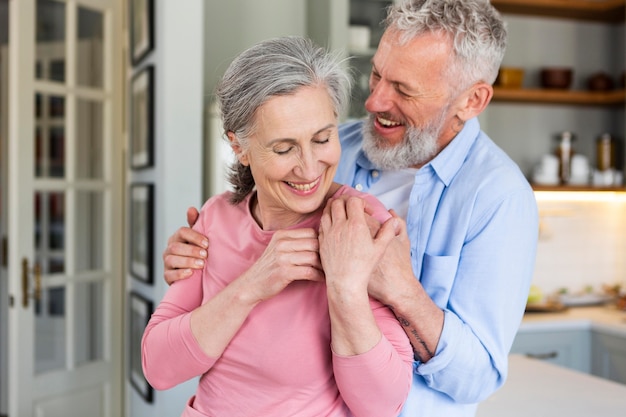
[
  {"x": 170, "y": 352},
  {"x": 377, "y": 383}
]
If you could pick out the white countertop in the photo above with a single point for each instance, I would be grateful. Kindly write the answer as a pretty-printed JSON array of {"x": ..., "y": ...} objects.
[
  {"x": 536, "y": 388},
  {"x": 608, "y": 318}
]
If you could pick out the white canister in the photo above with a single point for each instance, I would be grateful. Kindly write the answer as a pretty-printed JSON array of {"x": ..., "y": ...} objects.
[{"x": 359, "y": 37}]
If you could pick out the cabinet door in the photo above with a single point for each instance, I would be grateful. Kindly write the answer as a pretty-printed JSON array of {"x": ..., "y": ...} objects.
[
  {"x": 568, "y": 348},
  {"x": 608, "y": 356}
]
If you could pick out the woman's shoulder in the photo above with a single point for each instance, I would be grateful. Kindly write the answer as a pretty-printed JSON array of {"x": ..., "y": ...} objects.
[
  {"x": 379, "y": 210},
  {"x": 218, "y": 210}
]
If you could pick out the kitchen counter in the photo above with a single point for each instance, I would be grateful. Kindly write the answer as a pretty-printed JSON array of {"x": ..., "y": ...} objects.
[
  {"x": 607, "y": 318},
  {"x": 536, "y": 388}
]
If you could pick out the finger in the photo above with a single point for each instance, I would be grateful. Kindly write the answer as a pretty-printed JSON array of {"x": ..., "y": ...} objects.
[
  {"x": 313, "y": 274},
  {"x": 387, "y": 232},
  {"x": 355, "y": 208},
  {"x": 174, "y": 275},
  {"x": 325, "y": 220},
  {"x": 296, "y": 237},
  {"x": 192, "y": 216},
  {"x": 338, "y": 210},
  {"x": 401, "y": 230},
  {"x": 369, "y": 209},
  {"x": 183, "y": 255},
  {"x": 189, "y": 236}
]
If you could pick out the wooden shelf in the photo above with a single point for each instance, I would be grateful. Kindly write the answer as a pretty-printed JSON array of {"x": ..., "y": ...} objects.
[
  {"x": 576, "y": 188},
  {"x": 569, "y": 97},
  {"x": 612, "y": 11}
]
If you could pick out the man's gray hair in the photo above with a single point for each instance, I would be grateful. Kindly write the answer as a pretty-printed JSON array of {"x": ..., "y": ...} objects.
[{"x": 478, "y": 32}]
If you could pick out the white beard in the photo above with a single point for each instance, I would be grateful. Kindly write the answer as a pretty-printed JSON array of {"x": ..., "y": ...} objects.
[{"x": 418, "y": 146}]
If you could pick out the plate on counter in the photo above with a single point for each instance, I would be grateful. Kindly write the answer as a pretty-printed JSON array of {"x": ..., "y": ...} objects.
[
  {"x": 579, "y": 300},
  {"x": 545, "y": 307}
]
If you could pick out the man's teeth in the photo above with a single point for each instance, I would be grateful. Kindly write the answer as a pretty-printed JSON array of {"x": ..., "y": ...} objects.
[
  {"x": 303, "y": 187},
  {"x": 388, "y": 123}
]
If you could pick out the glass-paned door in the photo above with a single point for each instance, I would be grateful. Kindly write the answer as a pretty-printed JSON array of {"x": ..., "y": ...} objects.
[{"x": 65, "y": 221}]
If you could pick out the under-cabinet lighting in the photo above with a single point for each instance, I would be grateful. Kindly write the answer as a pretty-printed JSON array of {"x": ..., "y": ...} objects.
[{"x": 609, "y": 196}]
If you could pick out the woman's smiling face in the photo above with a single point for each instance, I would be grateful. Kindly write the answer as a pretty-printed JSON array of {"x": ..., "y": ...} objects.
[{"x": 293, "y": 155}]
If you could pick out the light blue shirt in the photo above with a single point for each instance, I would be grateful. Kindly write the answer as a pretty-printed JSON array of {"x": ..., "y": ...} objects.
[{"x": 473, "y": 224}]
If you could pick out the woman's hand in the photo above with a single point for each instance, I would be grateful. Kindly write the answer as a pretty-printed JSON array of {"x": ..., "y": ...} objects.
[
  {"x": 291, "y": 255},
  {"x": 349, "y": 255},
  {"x": 352, "y": 243}
]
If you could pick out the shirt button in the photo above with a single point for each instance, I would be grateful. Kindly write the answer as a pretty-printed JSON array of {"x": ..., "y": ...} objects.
[
  {"x": 358, "y": 187},
  {"x": 375, "y": 174}
]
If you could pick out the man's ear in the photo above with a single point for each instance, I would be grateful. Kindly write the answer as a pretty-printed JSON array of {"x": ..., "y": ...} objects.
[
  {"x": 475, "y": 100},
  {"x": 237, "y": 149}
]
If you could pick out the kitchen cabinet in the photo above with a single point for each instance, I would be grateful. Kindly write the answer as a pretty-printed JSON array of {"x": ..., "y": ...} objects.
[
  {"x": 608, "y": 356},
  {"x": 570, "y": 348}
]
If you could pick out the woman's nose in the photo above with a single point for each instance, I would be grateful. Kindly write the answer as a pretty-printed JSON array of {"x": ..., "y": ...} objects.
[{"x": 307, "y": 165}]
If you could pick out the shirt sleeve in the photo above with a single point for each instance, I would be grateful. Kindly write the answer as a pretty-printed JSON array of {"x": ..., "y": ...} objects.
[
  {"x": 491, "y": 276},
  {"x": 170, "y": 352},
  {"x": 376, "y": 383}
]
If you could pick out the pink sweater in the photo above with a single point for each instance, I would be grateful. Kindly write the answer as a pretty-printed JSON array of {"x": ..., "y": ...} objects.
[{"x": 280, "y": 362}]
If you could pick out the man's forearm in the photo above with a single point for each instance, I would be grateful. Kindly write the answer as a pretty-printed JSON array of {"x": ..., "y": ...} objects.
[{"x": 421, "y": 319}]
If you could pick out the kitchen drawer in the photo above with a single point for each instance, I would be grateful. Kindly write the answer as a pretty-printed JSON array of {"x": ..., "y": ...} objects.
[{"x": 568, "y": 348}]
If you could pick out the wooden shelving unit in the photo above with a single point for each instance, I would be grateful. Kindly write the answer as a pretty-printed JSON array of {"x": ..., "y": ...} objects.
[
  {"x": 611, "y": 11},
  {"x": 568, "y": 97},
  {"x": 605, "y": 11},
  {"x": 576, "y": 188}
]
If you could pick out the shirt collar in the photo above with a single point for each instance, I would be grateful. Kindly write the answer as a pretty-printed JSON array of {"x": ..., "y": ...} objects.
[{"x": 451, "y": 158}]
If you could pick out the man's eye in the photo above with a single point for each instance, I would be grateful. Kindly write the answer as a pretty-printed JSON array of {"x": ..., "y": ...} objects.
[{"x": 402, "y": 93}]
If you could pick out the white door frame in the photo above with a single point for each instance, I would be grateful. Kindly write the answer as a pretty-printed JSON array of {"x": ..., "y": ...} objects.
[{"x": 21, "y": 184}]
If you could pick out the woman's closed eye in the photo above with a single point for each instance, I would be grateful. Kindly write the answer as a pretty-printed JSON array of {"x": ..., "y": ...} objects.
[{"x": 283, "y": 150}]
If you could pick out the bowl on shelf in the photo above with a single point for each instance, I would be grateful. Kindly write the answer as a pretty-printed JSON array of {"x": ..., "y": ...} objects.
[
  {"x": 600, "y": 81},
  {"x": 556, "y": 77},
  {"x": 510, "y": 77}
]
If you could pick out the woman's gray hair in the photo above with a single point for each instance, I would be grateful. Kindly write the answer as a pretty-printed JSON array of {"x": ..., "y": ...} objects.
[
  {"x": 478, "y": 32},
  {"x": 275, "y": 67}
]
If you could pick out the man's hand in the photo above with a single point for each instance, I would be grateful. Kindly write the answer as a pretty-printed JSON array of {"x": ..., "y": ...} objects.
[
  {"x": 394, "y": 267},
  {"x": 186, "y": 250}
]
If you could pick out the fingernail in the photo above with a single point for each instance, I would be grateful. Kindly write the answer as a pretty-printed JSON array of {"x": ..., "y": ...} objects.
[
  {"x": 188, "y": 272},
  {"x": 203, "y": 253},
  {"x": 199, "y": 262},
  {"x": 205, "y": 243}
]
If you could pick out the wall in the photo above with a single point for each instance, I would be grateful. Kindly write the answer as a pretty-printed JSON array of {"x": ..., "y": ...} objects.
[
  {"x": 230, "y": 27},
  {"x": 177, "y": 172},
  {"x": 581, "y": 242}
]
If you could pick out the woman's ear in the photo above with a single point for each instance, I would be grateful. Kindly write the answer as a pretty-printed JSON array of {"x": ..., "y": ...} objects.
[{"x": 236, "y": 147}]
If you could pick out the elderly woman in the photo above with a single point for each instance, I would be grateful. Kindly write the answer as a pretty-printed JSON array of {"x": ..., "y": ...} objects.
[{"x": 279, "y": 321}]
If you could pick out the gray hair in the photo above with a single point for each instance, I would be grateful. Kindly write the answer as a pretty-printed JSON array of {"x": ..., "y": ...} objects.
[
  {"x": 275, "y": 67},
  {"x": 478, "y": 32}
]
